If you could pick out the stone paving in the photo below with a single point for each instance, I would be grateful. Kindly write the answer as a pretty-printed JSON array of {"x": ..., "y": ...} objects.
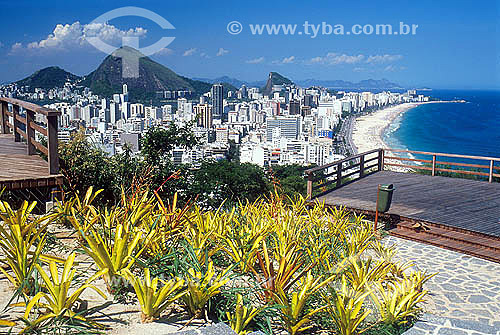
[
  {"x": 430, "y": 324},
  {"x": 466, "y": 288}
]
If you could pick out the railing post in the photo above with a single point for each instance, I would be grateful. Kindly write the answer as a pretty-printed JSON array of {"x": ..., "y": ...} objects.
[
  {"x": 3, "y": 117},
  {"x": 433, "y": 165},
  {"x": 309, "y": 185},
  {"x": 30, "y": 132},
  {"x": 52, "y": 145},
  {"x": 15, "y": 122},
  {"x": 490, "y": 179},
  {"x": 339, "y": 174},
  {"x": 361, "y": 166},
  {"x": 381, "y": 159}
]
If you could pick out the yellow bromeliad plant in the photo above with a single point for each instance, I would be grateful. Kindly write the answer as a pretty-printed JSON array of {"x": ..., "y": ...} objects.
[
  {"x": 136, "y": 207},
  {"x": 362, "y": 273},
  {"x": 168, "y": 222},
  {"x": 116, "y": 237},
  {"x": 153, "y": 298},
  {"x": 397, "y": 302},
  {"x": 359, "y": 238},
  {"x": 22, "y": 238},
  {"x": 418, "y": 279},
  {"x": 288, "y": 223},
  {"x": 201, "y": 286},
  {"x": 384, "y": 252},
  {"x": 57, "y": 301},
  {"x": 290, "y": 268},
  {"x": 113, "y": 243},
  {"x": 242, "y": 316},
  {"x": 340, "y": 220},
  {"x": 202, "y": 229},
  {"x": 114, "y": 253},
  {"x": 75, "y": 207},
  {"x": 346, "y": 309},
  {"x": 243, "y": 235},
  {"x": 293, "y": 305}
]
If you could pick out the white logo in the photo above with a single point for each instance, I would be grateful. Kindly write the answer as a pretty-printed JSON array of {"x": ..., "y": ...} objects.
[
  {"x": 234, "y": 27},
  {"x": 130, "y": 60}
]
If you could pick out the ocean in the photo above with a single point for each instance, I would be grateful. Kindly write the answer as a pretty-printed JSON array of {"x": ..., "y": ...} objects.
[{"x": 471, "y": 128}]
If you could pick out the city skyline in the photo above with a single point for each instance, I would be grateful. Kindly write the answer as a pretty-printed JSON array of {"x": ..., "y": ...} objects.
[{"x": 455, "y": 45}]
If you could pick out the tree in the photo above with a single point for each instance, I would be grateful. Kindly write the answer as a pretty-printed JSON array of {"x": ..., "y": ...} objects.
[
  {"x": 85, "y": 165},
  {"x": 233, "y": 153},
  {"x": 158, "y": 143},
  {"x": 289, "y": 179},
  {"x": 216, "y": 181}
]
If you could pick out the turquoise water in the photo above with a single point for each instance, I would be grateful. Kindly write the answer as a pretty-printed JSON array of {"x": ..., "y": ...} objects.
[{"x": 471, "y": 128}]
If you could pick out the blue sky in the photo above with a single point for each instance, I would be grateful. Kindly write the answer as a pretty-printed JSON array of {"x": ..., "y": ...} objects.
[{"x": 457, "y": 44}]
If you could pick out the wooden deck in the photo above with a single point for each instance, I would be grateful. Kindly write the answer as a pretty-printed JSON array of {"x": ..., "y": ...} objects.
[
  {"x": 457, "y": 214},
  {"x": 452, "y": 202},
  {"x": 20, "y": 170}
]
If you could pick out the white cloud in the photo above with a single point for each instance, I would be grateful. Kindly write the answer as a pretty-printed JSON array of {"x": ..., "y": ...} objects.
[
  {"x": 222, "y": 52},
  {"x": 383, "y": 58},
  {"x": 255, "y": 60},
  {"x": 189, "y": 52},
  {"x": 16, "y": 47},
  {"x": 333, "y": 58},
  {"x": 70, "y": 36},
  {"x": 286, "y": 60},
  {"x": 165, "y": 52},
  {"x": 316, "y": 59},
  {"x": 1, "y": 44},
  {"x": 392, "y": 68},
  {"x": 204, "y": 55}
]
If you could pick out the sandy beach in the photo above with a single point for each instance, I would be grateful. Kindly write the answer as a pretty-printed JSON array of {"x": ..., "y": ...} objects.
[{"x": 368, "y": 129}]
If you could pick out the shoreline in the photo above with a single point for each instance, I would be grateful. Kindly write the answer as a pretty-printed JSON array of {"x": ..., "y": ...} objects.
[{"x": 367, "y": 131}]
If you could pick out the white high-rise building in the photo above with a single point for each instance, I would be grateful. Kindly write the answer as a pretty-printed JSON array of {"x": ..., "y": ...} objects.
[
  {"x": 115, "y": 113},
  {"x": 125, "y": 110},
  {"x": 281, "y": 126},
  {"x": 181, "y": 106}
]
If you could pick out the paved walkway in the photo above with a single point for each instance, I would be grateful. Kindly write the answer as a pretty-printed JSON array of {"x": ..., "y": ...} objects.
[
  {"x": 465, "y": 289},
  {"x": 430, "y": 324}
]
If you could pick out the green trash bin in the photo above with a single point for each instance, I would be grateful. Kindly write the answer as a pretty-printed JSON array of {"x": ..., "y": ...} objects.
[{"x": 385, "y": 197}]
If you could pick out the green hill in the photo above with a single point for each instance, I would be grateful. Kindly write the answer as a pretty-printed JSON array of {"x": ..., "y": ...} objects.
[
  {"x": 107, "y": 79},
  {"x": 47, "y": 78}
]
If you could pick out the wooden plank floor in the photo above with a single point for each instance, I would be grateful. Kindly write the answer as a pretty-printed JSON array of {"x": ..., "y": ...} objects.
[
  {"x": 19, "y": 170},
  {"x": 458, "y": 203}
]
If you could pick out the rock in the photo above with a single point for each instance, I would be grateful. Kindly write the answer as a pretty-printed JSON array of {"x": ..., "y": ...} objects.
[{"x": 477, "y": 299}]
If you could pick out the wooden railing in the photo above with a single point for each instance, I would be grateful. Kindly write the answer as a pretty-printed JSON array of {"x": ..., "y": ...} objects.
[
  {"x": 437, "y": 162},
  {"x": 49, "y": 130},
  {"x": 326, "y": 178}
]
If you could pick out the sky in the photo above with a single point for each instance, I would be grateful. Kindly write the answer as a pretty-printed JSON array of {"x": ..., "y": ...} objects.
[{"x": 456, "y": 44}]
